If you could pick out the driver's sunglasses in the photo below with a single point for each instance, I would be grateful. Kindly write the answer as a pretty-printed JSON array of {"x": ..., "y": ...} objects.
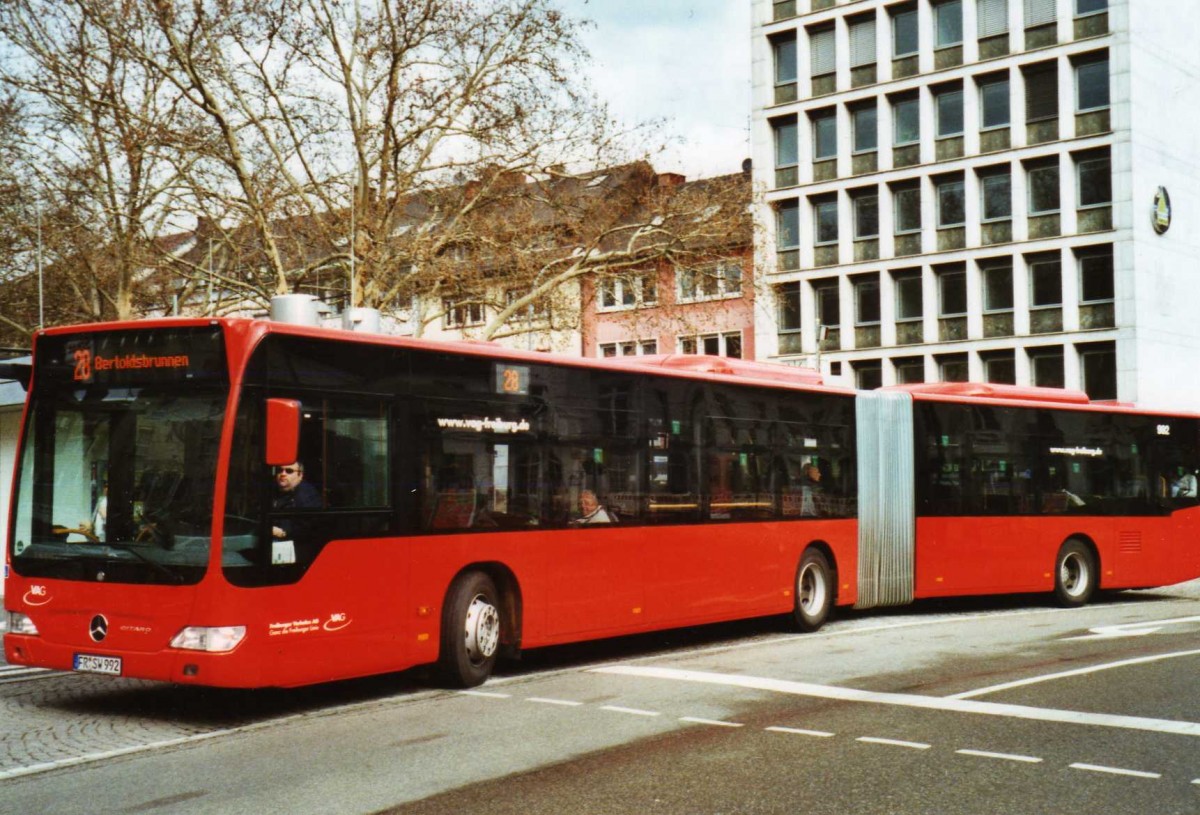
[{"x": 287, "y": 470}]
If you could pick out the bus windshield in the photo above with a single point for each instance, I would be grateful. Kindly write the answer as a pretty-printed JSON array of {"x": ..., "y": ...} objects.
[
  {"x": 118, "y": 467},
  {"x": 116, "y": 484}
]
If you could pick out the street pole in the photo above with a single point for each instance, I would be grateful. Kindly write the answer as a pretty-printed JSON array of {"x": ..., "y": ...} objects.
[{"x": 41, "y": 290}]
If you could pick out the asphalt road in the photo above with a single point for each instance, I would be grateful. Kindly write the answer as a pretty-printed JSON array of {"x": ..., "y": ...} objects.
[{"x": 1001, "y": 706}]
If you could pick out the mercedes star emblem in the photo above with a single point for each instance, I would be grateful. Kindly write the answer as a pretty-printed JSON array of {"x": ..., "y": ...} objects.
[{"x": 98, "y": 630}]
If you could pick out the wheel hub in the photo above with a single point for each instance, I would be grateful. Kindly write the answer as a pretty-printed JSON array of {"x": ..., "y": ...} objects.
[
  {"x": 812, "y": 589},
  {"x": 482, "y": 630}
]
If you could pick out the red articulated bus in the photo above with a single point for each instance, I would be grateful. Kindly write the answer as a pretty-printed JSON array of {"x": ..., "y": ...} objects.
[{"x": 245, "y": 503}]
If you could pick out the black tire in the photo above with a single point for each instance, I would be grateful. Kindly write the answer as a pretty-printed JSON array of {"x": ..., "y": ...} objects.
[
  {"x": 470, "y": 638},
  {"x": 1076, "y": 575},
  {"x": 815, "y": 589}
]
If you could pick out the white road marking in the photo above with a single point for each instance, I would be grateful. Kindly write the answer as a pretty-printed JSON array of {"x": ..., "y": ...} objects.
[
  {"x": 1168, "y": 726},
  {"x": 713, "y": 722},
  {"x": 483, "y": 694},
  {"x": 1033, "y": 680},
  {"x": 630, "y": 710},
  {"x": 544, "y": 701},
  {"x": 912, "y": 745},
  {"x": 1097, "y": 768},
  {"x": 1001, "y": 756},
  {"x": 820, "y": 734},
  {"x": 1104, "y": 632}
]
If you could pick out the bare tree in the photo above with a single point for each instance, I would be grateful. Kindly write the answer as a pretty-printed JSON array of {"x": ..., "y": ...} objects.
[
  {"x": 92, "y": 155},
  {"x": 332, "y": 111}
]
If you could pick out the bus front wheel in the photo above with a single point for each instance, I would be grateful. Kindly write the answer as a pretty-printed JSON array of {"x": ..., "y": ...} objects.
[
  {"x": 470, "y": 631},
  {"x": 814, "y": 591},
  {"x": 1075, "y": 574}
]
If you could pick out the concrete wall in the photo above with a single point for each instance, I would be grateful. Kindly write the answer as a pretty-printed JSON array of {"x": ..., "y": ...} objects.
[{"x": 1160, "y": 299}]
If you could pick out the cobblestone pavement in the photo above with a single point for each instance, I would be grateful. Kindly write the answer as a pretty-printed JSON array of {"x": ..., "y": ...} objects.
[{"x": 50, "y": 719}]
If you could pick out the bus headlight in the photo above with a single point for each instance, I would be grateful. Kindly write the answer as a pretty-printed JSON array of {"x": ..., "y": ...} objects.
[
  {"x": 215, "y": 640},
  {"x": 19, "y": 623}
]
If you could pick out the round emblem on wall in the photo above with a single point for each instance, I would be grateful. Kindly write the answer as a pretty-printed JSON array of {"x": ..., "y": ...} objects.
[{"x": 1161, "y": 216}]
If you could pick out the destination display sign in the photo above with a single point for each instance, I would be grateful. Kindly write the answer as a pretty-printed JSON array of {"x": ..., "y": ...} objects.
[{"x": 133, "y": 357}]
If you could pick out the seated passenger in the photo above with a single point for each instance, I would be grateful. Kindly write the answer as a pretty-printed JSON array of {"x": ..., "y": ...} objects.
[
  {"x": 1184, "y": 485},
  {"x": 593, "y": 511}
]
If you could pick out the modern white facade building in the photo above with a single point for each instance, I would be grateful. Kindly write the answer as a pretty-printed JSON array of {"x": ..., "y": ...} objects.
[{"x": 977, "y": 190}]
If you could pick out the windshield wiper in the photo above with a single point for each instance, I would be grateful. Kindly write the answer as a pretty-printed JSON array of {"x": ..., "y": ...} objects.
[{"x": 133, "y": 550}]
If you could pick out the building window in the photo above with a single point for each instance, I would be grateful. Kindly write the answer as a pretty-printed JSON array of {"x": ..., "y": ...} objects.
[
  {"x": 999, "y": 367},
  {"x": 952, "y": 294},
  {"x": 992, "y": 16},
  {"x": 905, "y": 33},
  {"x": 1045, "y": 283},
  {"x": 825, "y": 220},
  {"x": 868, "y": 374},
  {"x": 906, "y": 200},
  {"x": 1083, "y": 7},
  {"x": 787, "y": 143},
  {"x": 1043, "y": 187},
  {"x": 948, "y": 112},
  {"x": 462, "y": 315},
  {"x": 787, "y": 225},
  {"x": 1096, "y": 276},
  {"x": 906, "y": 121},
  {"x": 866, "y": 215},
  {"x": 828, "y": 303},
  {"x": 787, "y": 298},
  {"x": 728, "y": 344},
  {"x": 865, "y": 126},
  {"x": 862, "y": 43},
  {"x": 997, "y": 288},
  {"x": 824, "y": 125},
  {"x": 947, "y": 23},
  {"x": 821, "y": 50},
  {"x": 1098, "y": 363},
  {"x": 994, "y": 104},
  {"x": 951, "y": 200},
  {"x": 626, "y": 292},
  {"x": 1039, "y": 12},
  {"x": 866, "y": 300},
  {"x": 710, "y": 282},
  {"x": 953, "y": 368},
  {"x": 1095, "y": 179},
  {"x": 785, "y": 59},
  {"x": 909, "y": 370},
  {"x": 1041, "y": 91},
  {"x": 1091, "y": 82},
  {"x": 909, "y": 296},
  {"x": 995, "y": 192},
  {"x": 1046, "y": 367}
]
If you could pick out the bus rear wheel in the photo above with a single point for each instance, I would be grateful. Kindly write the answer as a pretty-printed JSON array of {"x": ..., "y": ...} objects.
[
  {"x": 814, "y": 591},
  {"x": 1075, "y": 574},
  {"x": 470, "y": 638}
]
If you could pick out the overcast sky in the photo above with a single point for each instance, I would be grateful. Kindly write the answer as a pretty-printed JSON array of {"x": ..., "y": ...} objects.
[{"x": 685, "y": 60}]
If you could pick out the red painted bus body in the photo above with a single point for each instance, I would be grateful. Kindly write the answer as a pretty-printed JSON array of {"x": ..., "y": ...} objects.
[{"x": 726, "y": 539}]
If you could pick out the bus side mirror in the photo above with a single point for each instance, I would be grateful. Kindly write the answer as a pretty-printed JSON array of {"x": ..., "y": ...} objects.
[{"x": 283, "y": 432}]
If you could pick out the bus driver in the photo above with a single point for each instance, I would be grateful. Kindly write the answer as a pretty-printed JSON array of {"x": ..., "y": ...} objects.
[{"x": 292, "y": 492}]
